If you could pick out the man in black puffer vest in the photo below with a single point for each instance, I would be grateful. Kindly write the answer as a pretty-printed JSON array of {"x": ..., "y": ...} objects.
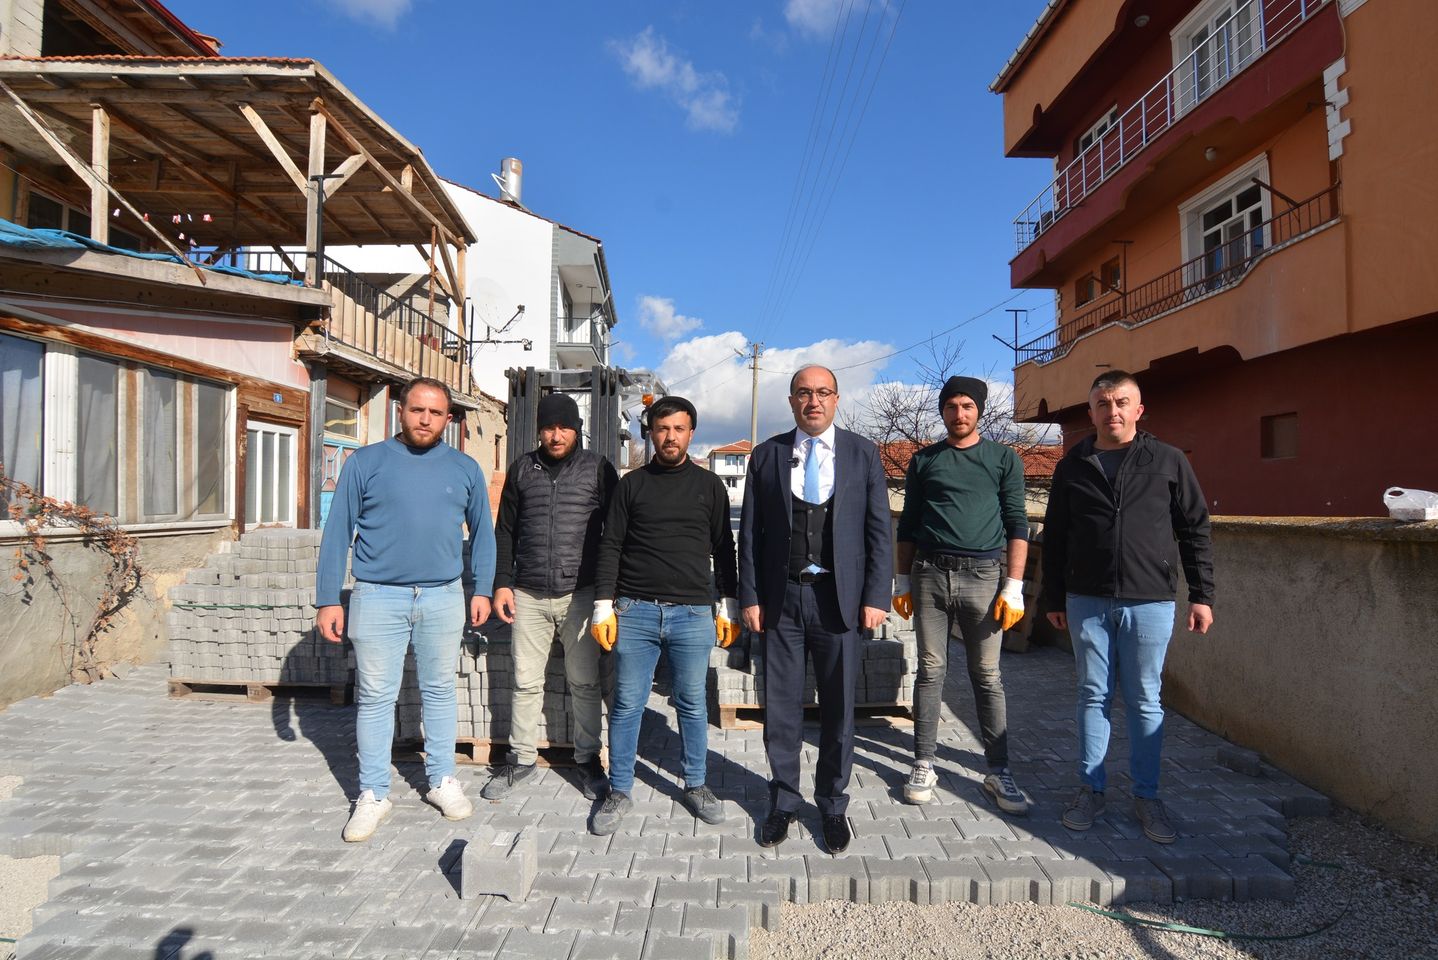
[{"x": 551, "y": 513}]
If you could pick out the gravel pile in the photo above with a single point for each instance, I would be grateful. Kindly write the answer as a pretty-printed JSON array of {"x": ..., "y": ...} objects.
[{"x": 1387, "y": 886}]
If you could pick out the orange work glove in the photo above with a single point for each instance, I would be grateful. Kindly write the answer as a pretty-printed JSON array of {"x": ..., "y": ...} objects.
[
  {"x": 726, "y": 621},
  {"x": 604, "y": 625},
  {"x": 903, "y": 596},
  {"x": 1009, "y": 607}
]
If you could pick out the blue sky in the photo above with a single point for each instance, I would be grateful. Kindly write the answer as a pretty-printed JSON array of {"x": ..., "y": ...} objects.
[{"x": 676, "y": 131}]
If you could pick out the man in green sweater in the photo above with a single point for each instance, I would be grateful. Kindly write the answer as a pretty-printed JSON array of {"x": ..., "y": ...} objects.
[{"x": 963, "y": 510}]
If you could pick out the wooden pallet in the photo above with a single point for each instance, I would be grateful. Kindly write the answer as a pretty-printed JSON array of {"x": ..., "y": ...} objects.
[
  {"x": 482, "y": 751},
  {"x": 248, "y": 691},
  {"x": 750, "y": 716}
]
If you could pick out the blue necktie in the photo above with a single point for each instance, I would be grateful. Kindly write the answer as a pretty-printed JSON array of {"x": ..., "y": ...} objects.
[{"x": 811, "y": 471}]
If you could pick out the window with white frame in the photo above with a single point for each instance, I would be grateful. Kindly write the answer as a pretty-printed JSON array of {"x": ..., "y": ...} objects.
[
  {"x": 1225, "y": 226},
  {"x": 270, "y": 470},
  {"x": 1214, "y": 42},
  {"x": 1097, "y": 130},
  {"x": 139, "y": 443}
]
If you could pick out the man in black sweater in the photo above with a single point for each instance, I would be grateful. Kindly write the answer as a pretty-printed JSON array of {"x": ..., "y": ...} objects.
[
  {"x": 654, "y": 592},
  {"x": 1119, "y": 501},
  {"x": 547, "y": 535}
]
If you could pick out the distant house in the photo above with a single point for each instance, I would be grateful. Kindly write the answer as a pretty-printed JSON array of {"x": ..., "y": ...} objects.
[
  {"x": 1039, "y": 463},
  {"x": 731, "y": 464}
]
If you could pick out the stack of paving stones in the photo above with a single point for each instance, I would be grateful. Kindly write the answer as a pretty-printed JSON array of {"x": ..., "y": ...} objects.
[
  {"x": 146, "y": 868},
  {"x": 886, "y": 676},
  {"x": 248, "y": 616}
]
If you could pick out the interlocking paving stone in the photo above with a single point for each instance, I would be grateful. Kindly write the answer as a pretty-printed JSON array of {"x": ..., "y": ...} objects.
[
  {"x": 726, "y": 927},
  {"x": 115, "y": 777}
]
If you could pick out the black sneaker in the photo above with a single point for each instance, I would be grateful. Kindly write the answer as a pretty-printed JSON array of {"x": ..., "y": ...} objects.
[
  {"x": 505, "y": 778},
  {"x": 592, "y": 779},
  {"x": 611, "y": 813},
  {"x": 703, "y": 804}
]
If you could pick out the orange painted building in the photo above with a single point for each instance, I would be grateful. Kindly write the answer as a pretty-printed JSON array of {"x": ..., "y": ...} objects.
[{"x": 1243, "y": 214}]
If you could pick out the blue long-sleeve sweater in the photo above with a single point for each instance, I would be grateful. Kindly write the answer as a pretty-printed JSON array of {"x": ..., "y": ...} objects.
[{"x": 403, "y": 508}]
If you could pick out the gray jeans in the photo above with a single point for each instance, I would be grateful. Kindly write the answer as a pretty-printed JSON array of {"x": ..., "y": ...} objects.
[
  {"x": 539, "y": 620},
  {"x": 960, "y": 604}
]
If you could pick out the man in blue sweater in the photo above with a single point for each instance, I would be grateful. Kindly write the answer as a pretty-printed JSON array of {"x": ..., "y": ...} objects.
[{"x": 403, "y": 503}]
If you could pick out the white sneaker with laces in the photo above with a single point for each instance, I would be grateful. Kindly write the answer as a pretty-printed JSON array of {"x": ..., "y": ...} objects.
[
  {"x": 450, "y": 799},
  {"x": 367, "y": 815},
  {"x": 919, "y": 788}
]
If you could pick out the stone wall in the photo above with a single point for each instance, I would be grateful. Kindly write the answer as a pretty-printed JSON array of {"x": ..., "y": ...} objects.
[{"x": 1323, "y": 658}]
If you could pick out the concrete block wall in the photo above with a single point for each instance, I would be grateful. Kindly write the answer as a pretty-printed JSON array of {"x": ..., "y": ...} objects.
[{"x": 248, "y": 616}]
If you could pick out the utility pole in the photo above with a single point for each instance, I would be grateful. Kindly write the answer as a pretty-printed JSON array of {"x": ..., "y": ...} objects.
[{"x": 755, "y": 351}]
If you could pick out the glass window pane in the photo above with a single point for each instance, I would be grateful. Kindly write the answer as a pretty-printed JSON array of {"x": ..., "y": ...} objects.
[
  {"x": 97, "y": 437},
  {"x": 211, "y": 429},
  {"x": 79, "y": 223},
  {"x": 267, "y": 506},
  {"x": 285, "y": 482},
  {"x": 22, "y": 370},
  {"x": 157, "y": 465},
  {"x": 341, "y": 420},
  {"x": 1250, "y": 197},
  {"x": 45, "y": 213},
  {"x": 252, "y": 475}
]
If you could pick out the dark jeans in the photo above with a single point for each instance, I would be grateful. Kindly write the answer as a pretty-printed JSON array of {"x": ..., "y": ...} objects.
[
  {"x": 810, "y": 624},
  {"x": 960, "y": 604}
]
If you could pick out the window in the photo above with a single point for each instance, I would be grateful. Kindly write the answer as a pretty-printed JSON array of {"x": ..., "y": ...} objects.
[
  {"x": 1278, "y": 436},
  {"x": 1085, "y": 289},
  {"x": 1097, "y": 130},
  {"x": 45, "y": 213},
  {"x": 454, "y": 431},
  {"x": 341, "y": 418},
  {"x": 138, "y": 443},
  {"x": 733, "y": 460},
  {"x": 732, "y": 482},
  {"x": 1111, "y": 275},
  {"x": 1212, "y": 44},
  {"x": 1224, "y": 228},
  {"x": 270, "y": 465},
  {"x": 22, "y": 391}
]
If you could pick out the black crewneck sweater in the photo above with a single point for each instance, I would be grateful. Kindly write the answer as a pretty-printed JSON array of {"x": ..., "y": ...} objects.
[{"x": 664, "y": 524}]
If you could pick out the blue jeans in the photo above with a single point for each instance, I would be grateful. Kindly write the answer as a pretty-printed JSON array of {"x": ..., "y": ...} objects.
[
  {"x": 1123, "y": 640},
  {"x": 384, "y": 622},
  {"x": 686, "y": 633}
]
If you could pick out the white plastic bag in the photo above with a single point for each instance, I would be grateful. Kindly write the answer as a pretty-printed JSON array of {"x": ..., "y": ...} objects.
[{"x": 1411, "y": 504}]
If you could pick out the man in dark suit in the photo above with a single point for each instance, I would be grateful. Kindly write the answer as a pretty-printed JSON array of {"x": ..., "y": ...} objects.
[{"x": 815, "y": 567}]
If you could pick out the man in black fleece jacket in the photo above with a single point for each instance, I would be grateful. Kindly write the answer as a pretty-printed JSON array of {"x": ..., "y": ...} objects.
[
  {"x": 653, "y": 593},
  {"x": 1119, "y": 501}
]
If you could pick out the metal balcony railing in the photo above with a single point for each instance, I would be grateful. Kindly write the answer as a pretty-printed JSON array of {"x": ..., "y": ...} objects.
[
  {"x": 595, "y": 338},
  {"x": 1210, "y": 272},
  {"x": 374, "y": 321},
  {"x": 1229, "y": 48}
]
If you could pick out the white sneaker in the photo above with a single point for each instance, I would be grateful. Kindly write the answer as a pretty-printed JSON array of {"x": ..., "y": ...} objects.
[
  {"x": 919, "y": 788},
  {"x": 450, "y": 799},
  {"x": 368, "y": 814}
]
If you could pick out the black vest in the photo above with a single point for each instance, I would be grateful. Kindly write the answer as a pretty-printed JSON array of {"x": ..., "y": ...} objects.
[
  {"x": 811, "y": 535},
  {"x": 559, "y": 523}
]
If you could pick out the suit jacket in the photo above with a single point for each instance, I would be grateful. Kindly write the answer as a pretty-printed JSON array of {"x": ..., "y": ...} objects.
[{"x": 863, "y": 554}]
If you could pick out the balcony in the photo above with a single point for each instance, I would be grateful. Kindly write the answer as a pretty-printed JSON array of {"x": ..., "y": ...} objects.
[
  {"x": 368, "y": 326},
  {"x": 580, "y": 353},
  {"x": 1234, "y": 46},
  {"x": 1204, "y": 276}
]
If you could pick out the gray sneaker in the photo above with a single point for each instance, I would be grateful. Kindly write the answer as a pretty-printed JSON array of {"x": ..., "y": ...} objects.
[
  {"x": 1007, "y": 796},
  {"x": 506, "y": 777},
  {"x": 703, "y": 804},
  {"x": 1154, "y": 819},
  {"x": 1083, "y": 809},
  {"x": 919, "y": 788},
  {"x": 611, "y": 813}
]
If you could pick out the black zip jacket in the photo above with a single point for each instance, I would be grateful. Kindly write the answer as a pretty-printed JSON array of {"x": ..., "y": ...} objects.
[{"x": 1117, "y": 540}]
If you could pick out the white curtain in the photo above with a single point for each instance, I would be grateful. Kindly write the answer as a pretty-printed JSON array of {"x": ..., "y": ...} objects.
[
  {"x": 96, "y": 435},
  {"x": 157, "y": 465},
  {"x": 21, "y": 409}
]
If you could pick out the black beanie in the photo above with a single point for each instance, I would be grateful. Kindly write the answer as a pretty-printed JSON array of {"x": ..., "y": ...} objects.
[
  {"x": 971, "y": 387},
  {"x": 559, "y": 410}
]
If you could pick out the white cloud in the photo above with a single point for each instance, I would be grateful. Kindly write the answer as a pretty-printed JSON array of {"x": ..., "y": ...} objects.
[
  {"x": 813, "y": 17},
  {"x": 704, "y": 97},
  {"x": 709, "y": 371},
  {"x": 386, "y": 13},
  {"x": 658, "y": 316}
]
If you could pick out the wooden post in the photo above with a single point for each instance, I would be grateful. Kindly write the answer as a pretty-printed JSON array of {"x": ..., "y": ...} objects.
[
  {"x": 100, "y": 161},
  {"x": 314, "y": 203}
]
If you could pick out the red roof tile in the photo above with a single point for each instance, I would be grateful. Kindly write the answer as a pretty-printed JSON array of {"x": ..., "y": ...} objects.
[{"x": 738, "y": 446}]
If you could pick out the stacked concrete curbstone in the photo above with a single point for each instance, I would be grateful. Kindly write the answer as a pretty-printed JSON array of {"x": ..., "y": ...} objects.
[{"x": 248, "y": 616}]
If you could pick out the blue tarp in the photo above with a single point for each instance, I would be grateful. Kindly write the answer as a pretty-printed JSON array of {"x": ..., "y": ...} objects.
[{"x": 37, "y": 238}]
